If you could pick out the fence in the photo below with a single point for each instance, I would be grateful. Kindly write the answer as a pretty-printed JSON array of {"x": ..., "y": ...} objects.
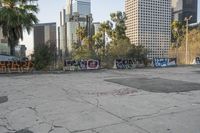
[
  {"x": 15, "y": 66},
  {"x": 72, "y": 65}
]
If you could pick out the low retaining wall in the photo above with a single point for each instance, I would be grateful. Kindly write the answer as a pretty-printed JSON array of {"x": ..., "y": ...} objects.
[
  {"x": 196, "y": 61},
  {"x": 164, "y": 62},
  {"x": 127, "y": 64},
  {"x": 72, "y": 65},
  {"x": 16, "y": 66}
]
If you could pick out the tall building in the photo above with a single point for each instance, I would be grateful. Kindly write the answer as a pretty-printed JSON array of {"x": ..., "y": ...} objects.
[
  {"x": 77, "y": 13},
  {"x": 184, "y": 8},
  {"x": 83, "y": 7},
  {"x": 95, "y": 27},
  {"x": 2, "y": 39},
  {"x": 69, "y": 7},
  {"x": 44, "y": 33},
  {"x": 4, "y": 49},
  {"x": 148, "y": 24}
]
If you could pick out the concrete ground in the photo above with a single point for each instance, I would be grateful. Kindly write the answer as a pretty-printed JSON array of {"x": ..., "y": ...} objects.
[{"x": 106, "y": 101}]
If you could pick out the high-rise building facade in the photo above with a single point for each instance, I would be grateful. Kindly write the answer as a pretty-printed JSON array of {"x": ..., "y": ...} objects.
[
  {"x": 77, "y": 13},
  {"x": 148, "y": 24},
  {"x": 83, "y": 7},
  {"x": 184, "y": 8},
  {"x": 44, "y": 33},
  {"x": 2, "y": 39}
]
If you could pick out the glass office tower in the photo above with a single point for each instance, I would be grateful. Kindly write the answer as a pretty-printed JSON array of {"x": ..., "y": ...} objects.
[
  {"x": 184, "y": 8},
  {"x": 83, "y": 7}
]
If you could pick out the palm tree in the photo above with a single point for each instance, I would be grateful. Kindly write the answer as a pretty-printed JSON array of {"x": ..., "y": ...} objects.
[
  {"x": 178, "y": 31},
  {"x": 81, "y": 34},
  {"x": 119, "y": 19},
  {"x": 15, "y": 17}
]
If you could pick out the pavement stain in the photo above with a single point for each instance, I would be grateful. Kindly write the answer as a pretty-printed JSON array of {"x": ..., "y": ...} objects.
[
  {"x": 24, "y": 131},
  {"x": 120, "y": 92},
  {"x": 3, "y": 99}
]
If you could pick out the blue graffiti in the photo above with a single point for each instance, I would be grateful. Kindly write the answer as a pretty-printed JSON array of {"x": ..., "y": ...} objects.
[
  {"x": 197, "y": 60},
  {"x": 164, "y": 62}
]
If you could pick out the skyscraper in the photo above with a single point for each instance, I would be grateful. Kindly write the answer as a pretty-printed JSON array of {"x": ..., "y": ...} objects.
[
  {"x": 44, "y": 33},
  {"x": 69, "y": 7},
  {"x": 2, "y": 39},
  {"x": 148, "y": 24},
  {"x": 77, "y": 13},
  {"x": 83, "y": 7},
  {"x": 184, "y": 8}
]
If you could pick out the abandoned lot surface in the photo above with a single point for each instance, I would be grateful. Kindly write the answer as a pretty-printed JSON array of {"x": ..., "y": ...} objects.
[{"x": 106, "y": 101}]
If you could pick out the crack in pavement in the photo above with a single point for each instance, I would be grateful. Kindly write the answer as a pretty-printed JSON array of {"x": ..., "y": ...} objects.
[
  {"x": 95, "y": 128},
  {"x": 124, "y": 120},
  {"x": 164, "y": 114},
  {"x": 7, "y": 125},
  {"x": 152, "y": 114},
  {"x": 46, "y": 121}
]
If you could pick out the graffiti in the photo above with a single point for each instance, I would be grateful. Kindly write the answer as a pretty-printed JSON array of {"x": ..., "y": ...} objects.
[
  {"x": 124, "y": 64},
  {"x": 128, "y": 64},
  {"x": 164, "y": 62},
  {"x": 15, "y": 66},
  {"x": 93, "y": 64},
  {"x": 72, "y": 65},
  {"x": 197, "y": 60}
]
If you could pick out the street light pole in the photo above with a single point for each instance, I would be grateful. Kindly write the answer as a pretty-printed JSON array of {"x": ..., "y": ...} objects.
[{"x": 186, "y": 47}]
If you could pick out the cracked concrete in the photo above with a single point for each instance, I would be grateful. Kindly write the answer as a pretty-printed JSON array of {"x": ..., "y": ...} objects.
[{"x": 83, "y": 102}]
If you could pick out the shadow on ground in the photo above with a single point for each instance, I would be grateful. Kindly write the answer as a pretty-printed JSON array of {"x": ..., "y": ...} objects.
[{"x": 158, "y": 85}]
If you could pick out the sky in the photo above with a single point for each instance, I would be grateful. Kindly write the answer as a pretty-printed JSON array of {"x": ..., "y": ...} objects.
[
  {"x": 101, "y": 9},
  {"x": 49, "y": 12}
]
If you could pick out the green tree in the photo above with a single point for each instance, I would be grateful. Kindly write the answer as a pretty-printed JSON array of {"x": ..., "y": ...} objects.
[
  {"x": 44, "y": 55},
  {"x": 15, "y": 17},
  {"x": 81, "y": 34},
  {"x": 119, "y": 32},
  {"x": 98, "y": 43},
  {"x": 138, "y": 52},
  {"x": 120, "y": 49},
  {"x": 178, "y": 32},
  {"x": 84, "y": 49},
  {"x": 83, "y": 53},
  {"x": 106, "y": 28}
]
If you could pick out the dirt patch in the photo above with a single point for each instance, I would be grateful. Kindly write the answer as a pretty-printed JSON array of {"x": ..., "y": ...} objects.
[
  {"x": 120, "y": 92},
  {"x": 24, "y": 131}
]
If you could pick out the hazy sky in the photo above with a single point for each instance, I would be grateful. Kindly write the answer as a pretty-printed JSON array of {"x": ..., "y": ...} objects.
[
  {"x": 49, "y": 12},
  {"x": 49, "y": 9}
]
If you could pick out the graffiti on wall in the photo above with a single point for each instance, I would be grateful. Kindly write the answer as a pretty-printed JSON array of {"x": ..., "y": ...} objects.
[
  {"x": 164, "y": 62},
  {"x": 72, "y": 65},
  {"x": 15, "y": 66},
  {"x": 197, "y": 60},
  {"x": 124, "y": 64}
]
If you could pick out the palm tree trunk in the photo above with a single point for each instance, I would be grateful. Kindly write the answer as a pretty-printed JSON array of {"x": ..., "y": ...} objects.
[{"x": 12, "y": 43}]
